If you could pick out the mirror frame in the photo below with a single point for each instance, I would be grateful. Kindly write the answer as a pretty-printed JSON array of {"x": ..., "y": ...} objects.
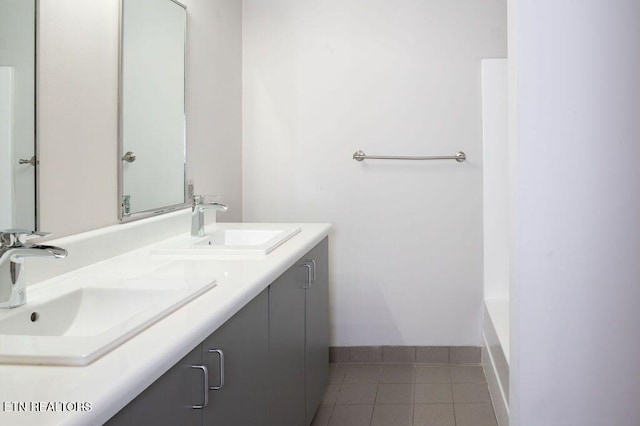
[
  {"x": 161, "y": 209},
  {"x": 36, "y": 139}
]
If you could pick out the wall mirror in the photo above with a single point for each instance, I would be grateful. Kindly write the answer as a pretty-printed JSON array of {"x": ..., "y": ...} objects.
[
  {"x": 152, "y": 108},
  {"x": 18, "y": 162}
]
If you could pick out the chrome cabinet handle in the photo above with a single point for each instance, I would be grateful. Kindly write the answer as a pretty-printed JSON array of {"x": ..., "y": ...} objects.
[
  {"x": 221, "y": 354},
  {"x": 308, "y": 281},
  {"x": 313, "y": 262},
  {"x": 205, "y": 381}
]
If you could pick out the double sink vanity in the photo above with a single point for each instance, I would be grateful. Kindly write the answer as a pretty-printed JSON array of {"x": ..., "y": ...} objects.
[{"x": 166, "y": 328}]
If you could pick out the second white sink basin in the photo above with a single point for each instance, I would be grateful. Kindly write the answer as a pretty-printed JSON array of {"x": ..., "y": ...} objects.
[
  {"x": 231, "y": 239},
  {"x": 240, "y": 237},
  {"x": 82, "y": 323}
]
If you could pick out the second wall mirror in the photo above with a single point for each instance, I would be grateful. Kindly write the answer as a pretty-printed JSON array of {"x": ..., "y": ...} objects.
[{"x": 152, "y": 108}]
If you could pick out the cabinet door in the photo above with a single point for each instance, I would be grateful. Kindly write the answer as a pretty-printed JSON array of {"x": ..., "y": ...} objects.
[
  {"x": 317, "y": 330},
  {"x": 238, "y": 351},
  {"x": 170, "y": 399},
  {"x": 286, "y": 348}
]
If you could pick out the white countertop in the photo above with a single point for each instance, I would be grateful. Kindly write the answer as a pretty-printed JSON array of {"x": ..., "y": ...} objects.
[{"x": 112, "y": 381}]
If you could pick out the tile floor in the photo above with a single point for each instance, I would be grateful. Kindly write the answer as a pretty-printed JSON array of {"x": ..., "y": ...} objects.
[{"x": 406, "y": 395}]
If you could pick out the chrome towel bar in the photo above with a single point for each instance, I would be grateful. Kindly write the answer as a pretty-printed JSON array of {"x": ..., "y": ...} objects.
[{"x": 360, "y": 156}]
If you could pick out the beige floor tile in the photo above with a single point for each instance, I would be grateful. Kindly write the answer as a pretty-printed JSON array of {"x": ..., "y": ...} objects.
[
  {"x": 398, "y": 354},
  {"x": 351, "y": 415},
  {"x": 362, "y": 374},
  {"x": 465, "y": 355},
  {"x": 475, "y": 415},
  {"x": 392, "y": 415},
  {"x": 397, "y": 374},
  {"x": 435, "y": 374},
  {"x": 470, "y": 392},
  {"x": 433, "y": 393},
  {"x": 435, "y": 354},
  {"x": 395, "y": 393},
  {"x": 467, "y": 374},
  {"x": 433, "y": 415},
  {"x": 357, "y": 393},
  {"x": 365, "y": 354}
]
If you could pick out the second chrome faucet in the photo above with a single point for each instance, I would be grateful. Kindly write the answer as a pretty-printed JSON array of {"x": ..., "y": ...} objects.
[{"x": 198, "y": 207}]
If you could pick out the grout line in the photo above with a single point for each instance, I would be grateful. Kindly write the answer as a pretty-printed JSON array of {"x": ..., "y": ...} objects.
[
  {"x": 413, "y": 407},
  {"x": 333, "y": 407},
  {"x": 375, "y": 400},
  {"x": 453, "y": 406}
]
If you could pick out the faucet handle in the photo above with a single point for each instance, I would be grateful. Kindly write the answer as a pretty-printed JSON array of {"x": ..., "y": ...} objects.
[
  {"x": 200, "y": 199},
  {"x": 17, "y": 236}
]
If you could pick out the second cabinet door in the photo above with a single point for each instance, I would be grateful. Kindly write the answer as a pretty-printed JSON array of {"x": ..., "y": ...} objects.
[
  {"x": 286, "y": 348},
  {"x": 299, "y": 339},
  {"x": 236, "y": 355},
  {"x": 317, "y": 330}
]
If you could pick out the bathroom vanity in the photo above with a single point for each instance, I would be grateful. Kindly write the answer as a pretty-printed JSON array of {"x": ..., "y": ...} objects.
[
  {"x": 266, "y": 365},
  {"x": 251, "y": 349}
]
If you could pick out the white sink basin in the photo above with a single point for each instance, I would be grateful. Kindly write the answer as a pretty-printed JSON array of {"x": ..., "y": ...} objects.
[
  {"x": 83, "y": 312},
  {"x": 240, "y": 237},
  {"x": 84, "y": 323},
  {"x": 250, "y": 239}
]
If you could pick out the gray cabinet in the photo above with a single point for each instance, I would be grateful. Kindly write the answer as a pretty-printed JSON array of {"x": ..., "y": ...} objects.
[
  {"x": 170, "y": 399},
  {"x": 286, "y": 348},
  {"x": 267, "y": 365},
  {"x": 317, "y": 330},
  {"x": 236, "y": 357},
  {"x": 299, "y": 339},
  {"x": 232, "y": 360}
]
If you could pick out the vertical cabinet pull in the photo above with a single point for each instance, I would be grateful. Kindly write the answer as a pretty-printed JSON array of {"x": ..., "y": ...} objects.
[
  {"x": 221, "y": 355},
  {"x": 205, "y": 381},
  {"x": 310, "y": 264},
  {"x": 308, "y": 281},
  {"x": 313, "y": 263}
]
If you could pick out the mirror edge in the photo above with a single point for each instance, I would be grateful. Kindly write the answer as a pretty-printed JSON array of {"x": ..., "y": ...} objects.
[{"x": 120, "y": 151}]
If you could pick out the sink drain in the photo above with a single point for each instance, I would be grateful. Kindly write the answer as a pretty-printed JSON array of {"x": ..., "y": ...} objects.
[{"x": 35, "y": 316}]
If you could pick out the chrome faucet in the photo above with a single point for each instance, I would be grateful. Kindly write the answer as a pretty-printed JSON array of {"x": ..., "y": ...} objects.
[
  {"x": 13, "y": 251},
  {"x": 198, "y": 207}
]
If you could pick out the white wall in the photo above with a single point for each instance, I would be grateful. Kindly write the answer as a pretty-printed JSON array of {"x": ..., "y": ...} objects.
[
  {"x": 77, "y": 109},
  {"x": 214, "y": 101},
  {"x": 324, "y": 79},
  {"x": 495, "y": 179},
  {"x": 576, "y": 341},
  {"x": 77, "y": 114}
]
